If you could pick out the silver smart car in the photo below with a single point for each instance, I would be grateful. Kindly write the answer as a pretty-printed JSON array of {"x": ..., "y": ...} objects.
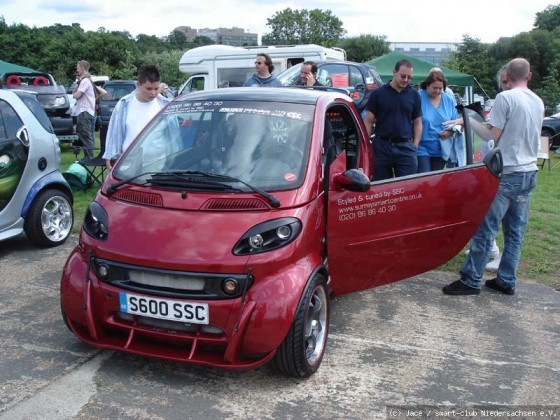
[{"x": 34, "y": 196}]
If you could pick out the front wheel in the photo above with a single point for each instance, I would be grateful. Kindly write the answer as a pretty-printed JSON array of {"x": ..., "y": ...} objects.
[
  {"x": 302, "y": 351},
  {"x": 50, "y": 218}
]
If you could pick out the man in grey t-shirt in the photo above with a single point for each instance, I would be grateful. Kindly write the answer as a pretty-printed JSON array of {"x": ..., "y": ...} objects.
[{"x": 515, "y": 123}]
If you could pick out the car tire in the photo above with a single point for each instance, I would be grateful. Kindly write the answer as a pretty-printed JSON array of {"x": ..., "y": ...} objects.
[
  {"x": 302, "y": 351},
  {"x": 65, "y": 319},
  {"x": 50, "y": 218}
]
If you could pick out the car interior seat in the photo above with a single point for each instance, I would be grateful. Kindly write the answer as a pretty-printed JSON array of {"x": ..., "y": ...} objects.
[{"x": 13, "y": 80}]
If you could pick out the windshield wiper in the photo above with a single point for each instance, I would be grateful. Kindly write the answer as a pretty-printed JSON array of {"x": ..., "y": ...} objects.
[
  {"x": 190, "y": 175},
  {"x": 178, "y": 180},
  {"x": 165, "y": 178},
  {"x": 111, "y": 189}
]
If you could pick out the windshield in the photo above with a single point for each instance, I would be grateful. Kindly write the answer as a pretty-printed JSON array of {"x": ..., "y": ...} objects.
[
  {"x": 291, "y": 76},
  {"x": 264, "y": 144}
]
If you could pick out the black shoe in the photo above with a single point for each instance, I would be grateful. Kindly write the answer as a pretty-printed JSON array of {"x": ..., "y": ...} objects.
[
  {"x": 493, "y": 284},
  {"x": 459, "y": 288}
]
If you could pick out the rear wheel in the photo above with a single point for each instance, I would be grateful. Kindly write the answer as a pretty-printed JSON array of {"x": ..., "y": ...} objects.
[
  {"x": 302, "y": 351},
  {"x": 50, "y": 218}
]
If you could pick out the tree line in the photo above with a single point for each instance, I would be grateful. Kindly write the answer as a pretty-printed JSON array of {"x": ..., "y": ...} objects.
[{"x": 56, "y": 49}]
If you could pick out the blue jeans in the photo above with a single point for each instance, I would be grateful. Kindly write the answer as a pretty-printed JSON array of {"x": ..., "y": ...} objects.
[
  {"x": 394, "y": 159},
  {"x": 511, "y": 208}
]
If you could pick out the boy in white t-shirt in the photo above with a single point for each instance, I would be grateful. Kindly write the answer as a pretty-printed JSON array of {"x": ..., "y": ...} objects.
[{"x": 133, "y": 112}]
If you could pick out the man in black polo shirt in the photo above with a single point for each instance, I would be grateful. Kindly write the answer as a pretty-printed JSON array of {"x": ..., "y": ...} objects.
[{"x": 397, "y": 113}]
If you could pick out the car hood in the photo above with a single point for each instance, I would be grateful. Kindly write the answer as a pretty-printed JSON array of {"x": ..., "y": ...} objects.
[{"x": 174, "y": 239}]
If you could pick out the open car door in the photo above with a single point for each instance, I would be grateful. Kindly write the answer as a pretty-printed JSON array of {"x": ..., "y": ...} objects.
[{"x": 406, "y": 226}]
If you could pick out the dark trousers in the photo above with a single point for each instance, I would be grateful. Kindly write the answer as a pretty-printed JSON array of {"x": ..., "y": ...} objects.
[
  {"x": 430, "y": 163},
  {"x": 84, "y": 131},
  {"x": 394, "y": 159}
]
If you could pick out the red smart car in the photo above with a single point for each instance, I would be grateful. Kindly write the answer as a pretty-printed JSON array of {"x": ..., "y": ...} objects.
[{"x": 225, "y": 227}]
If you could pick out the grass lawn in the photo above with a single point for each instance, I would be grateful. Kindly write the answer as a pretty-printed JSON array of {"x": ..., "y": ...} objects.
[{"x": 539, "y": 260}]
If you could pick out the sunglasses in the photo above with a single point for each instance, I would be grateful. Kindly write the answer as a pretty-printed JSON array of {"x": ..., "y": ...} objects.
[
  {"x": 259, "y": 62},
  {"x": 405, "y": 76}
]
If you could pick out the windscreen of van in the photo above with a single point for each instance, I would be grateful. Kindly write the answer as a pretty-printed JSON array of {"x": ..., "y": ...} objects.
[
  {"x": 264, "y": 144},
  {"x": 234, "y": 77}
]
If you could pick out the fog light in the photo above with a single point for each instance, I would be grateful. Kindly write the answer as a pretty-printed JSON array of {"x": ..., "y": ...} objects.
[
  {"x": 256, "y": 241},
  {"x": 283, "y": 232},
  {"x": 230, "y": 286},
  {"x": 103, "y": 271}
]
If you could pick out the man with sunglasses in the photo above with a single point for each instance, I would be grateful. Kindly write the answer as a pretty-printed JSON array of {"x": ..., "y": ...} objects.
[
  {"x": 263, "y": 77},
  {"x": 396, "y": 110}
]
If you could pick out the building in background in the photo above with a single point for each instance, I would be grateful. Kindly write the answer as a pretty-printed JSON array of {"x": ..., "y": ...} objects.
[
  {"x": 433, "y": 52},
  {"x": 225, "y": 36}
]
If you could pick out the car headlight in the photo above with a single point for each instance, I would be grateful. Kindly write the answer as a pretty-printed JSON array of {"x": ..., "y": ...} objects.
[
  {"x": 96, "y": 222},
  {"x": 60, "y": 101},
  {"x": 267, "y": 236}
]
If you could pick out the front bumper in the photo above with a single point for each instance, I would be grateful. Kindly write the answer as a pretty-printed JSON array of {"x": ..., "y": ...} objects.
[{"x": 243, "y": 333}]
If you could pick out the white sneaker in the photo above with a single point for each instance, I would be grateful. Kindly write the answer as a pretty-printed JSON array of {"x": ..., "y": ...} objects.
[
  {"x": 494, "y": 254},
  {"x": 494, "y": 264}
]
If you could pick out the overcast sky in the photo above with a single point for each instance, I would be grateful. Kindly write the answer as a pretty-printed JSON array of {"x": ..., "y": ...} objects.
[{"x": 401, "y": 20}]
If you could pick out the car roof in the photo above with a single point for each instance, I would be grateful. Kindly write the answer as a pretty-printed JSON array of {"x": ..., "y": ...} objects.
[
  {"x": 120, "y": 82},
  {"x": 258, "y": 94}
]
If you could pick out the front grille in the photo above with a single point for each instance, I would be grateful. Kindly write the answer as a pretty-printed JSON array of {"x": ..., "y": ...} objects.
[
  {"x": 234, "y": 204},
  {"x": 169, "y": 283},
  {"x": 139, "y": 197}
]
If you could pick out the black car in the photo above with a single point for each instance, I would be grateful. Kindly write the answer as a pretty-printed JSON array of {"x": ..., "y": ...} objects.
[
  {"x": 116, "y": 89},
  {"x": 551, "y": 129},
  {"x": 357, "y": 78},
  {"x": 50, "y": 95}
]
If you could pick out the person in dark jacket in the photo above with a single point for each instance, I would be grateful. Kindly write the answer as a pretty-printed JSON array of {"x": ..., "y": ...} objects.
[{"x": 263, "y": 77}]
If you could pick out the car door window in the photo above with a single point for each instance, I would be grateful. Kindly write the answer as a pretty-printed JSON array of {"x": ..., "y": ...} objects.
[
  {"x": 13, "y": 153},
  {"x": 332, "y": 75},
  {"x": 345, "y": 134},
  {"x": 11, "y": 120},
  {"x": 356, "y": 77}
]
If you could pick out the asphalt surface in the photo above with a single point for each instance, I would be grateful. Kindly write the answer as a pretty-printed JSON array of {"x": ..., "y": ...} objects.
[{"x": 393, "y": 352}]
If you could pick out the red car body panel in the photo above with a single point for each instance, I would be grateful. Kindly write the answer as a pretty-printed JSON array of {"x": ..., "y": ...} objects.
[
  {"x": 194, "y": 233},
  {"x": 399, "y": 229}
]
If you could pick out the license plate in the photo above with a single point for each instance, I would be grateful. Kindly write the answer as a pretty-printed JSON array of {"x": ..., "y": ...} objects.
[{"x": 172, "y": 310}]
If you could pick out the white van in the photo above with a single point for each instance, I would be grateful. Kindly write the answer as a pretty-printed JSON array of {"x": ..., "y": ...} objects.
[{"x": 220, "y": 66}]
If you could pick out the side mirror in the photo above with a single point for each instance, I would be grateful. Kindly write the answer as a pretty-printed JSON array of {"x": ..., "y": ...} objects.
[
  {"x": 494, "y": 161},
  {"x": 352, "y": 180},
  {"x": 360, "y": 86}
]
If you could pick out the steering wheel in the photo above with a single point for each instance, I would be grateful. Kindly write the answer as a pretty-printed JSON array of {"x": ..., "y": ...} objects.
[{"x": 284, "y": 152}]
